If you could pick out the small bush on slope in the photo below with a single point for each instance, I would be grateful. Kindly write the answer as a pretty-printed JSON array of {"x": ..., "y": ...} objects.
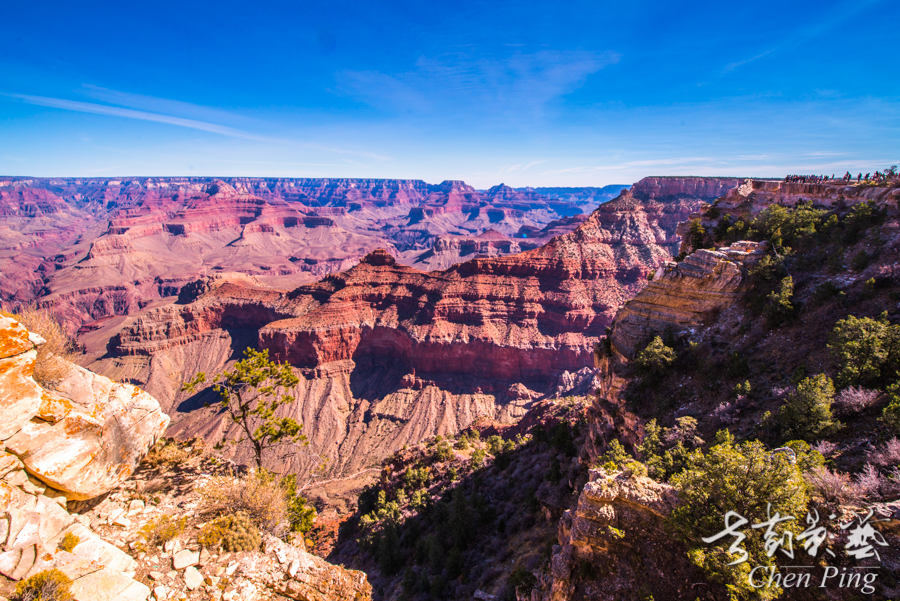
[
  {"x": 232, "y": 533},
  {"x": 806, "y": 413},
  {"x": 866, "y": 350},
  {"x": 654, "y": 359},
  {"x": 258, "y": 495},
  {"x": 49, "y": 585}
]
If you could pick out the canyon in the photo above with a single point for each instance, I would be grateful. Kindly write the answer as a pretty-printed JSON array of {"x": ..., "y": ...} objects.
[
  {"x": 390, "y": 354},
  {"x": 96, "y": 248},
  {"x": 436, "y": 306}
]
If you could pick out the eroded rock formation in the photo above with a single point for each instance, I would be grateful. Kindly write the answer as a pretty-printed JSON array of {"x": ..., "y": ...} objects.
[
  {"x": 86, "y": 439},
  {"x": 390, "y": 354},
  {"x": 83, "y": 438},
  {"x": 681, "y": 295},
  {"x": 614, "y": 544}
]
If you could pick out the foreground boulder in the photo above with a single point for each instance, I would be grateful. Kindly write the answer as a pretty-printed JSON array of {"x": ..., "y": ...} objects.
[{"x": 83, "y": 439}]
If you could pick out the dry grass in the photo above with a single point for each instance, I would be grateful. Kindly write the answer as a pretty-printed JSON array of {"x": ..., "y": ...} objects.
[
  {"x": 54, "y": 356},
  {"x": 158, "y": 532},
  {"x": 833, "y": 487},
  {"x": 257, "y": 494},
  {"x": 169, "y": 452}
]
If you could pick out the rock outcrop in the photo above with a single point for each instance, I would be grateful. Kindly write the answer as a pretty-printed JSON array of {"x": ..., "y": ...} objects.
[
  {"x": 617, "y": 531},
  {"x": 681, "y": 295},
  {"x": 85, "y": 439},
  {"x": 82, "y": 439},
  {"x": 66, "y": 447},
  {"x": 676, "y": 187}
]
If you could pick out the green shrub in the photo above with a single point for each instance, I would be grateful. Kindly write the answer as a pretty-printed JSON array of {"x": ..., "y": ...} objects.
[
  {"x": 387, "y": 550},
  {"x": 419, "y": 499},
  {"x": 860, "y": 218},
  {"x": 866, "y": 350},
  {"x": 49, "y": 585},
  {"x": 743, "y": 478},
  {"x": 806, "y": 412},
  {"x": 158, "y": 532},
  {"x": 779, "y": 305},
  {"x": 891, "y": 414},
  {"x": 478, "y": 456},
  {"x": 807, "y": 457},
  {"x": 562, "y": 438},
  {"x": 300, "y": 515},
  {"x": 415, "y": 477},
  {"x": 662, "y": 463},
  {"x": 442, "y": 451},
  {"x": 825, "y": 291},
  {"x": 69, "y": 542},
  {"x": 232, "y": 533},
  {"x": 786, "y": 227},
  {"x": 697, "y": 235},
  {"x": 654, "y": 359},
  {"x": 616, "y": 455},
  {"x": 860, "y": 260}
]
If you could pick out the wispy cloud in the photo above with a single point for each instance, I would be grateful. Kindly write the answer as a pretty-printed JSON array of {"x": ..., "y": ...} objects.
[
  {"x": 462, "y": 83},
  {"x": 732, "y": 66},
  {"x": 518, "y": 167},
  {"x": 173, "y": 112},
  {"x": 128, "y": 113}
]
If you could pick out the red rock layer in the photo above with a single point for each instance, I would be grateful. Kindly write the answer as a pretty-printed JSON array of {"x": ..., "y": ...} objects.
[
  {"x": 674, "y": 187},
  {"x": 516, "y": 317}
]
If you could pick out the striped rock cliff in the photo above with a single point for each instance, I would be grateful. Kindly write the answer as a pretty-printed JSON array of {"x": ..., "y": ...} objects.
[
  {"x": 390, "y": 354},
  {"x": 681, "y": 295}
]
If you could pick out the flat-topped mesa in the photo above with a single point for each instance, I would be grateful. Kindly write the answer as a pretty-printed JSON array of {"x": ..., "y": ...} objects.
[
  {"x": 682, "y": 295},
  {"x": 671, "y": 188}
]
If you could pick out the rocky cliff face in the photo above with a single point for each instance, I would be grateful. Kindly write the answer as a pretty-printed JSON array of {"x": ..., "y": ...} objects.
[
  {"x": 95, "y": 249},
  {"x": 614, "y": 544},
  {"x": 390, "y": 354},
  {"x": 82, "y": 438},
  {"x": 86, "y": 438},
  {"x": 668, "y": 188},
  {"x": 682, "y": 295}
]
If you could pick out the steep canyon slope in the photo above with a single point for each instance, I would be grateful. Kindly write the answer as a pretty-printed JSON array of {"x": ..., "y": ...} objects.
[{"x": 390, "y": 354}]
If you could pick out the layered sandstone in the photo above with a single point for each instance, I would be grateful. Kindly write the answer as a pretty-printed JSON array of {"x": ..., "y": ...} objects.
[
  {"x": 97, "y": 248},
  {"x": 390, "y": 354},
  {"x": 682, "y": 295},
  {"x": 675, "y": 187},
  {"x": 83, "y": 438},
  {"x": 59, "y": 448}
]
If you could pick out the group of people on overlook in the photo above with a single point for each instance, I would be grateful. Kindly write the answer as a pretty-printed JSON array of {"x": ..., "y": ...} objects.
[{"x": 878, "y": 176}]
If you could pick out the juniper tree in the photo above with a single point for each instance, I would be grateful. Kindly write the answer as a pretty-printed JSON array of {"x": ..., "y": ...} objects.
[{"x": 250, "y": 397}]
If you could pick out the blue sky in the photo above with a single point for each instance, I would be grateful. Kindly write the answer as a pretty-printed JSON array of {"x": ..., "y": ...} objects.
[{"x": 526, "y": 93}]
